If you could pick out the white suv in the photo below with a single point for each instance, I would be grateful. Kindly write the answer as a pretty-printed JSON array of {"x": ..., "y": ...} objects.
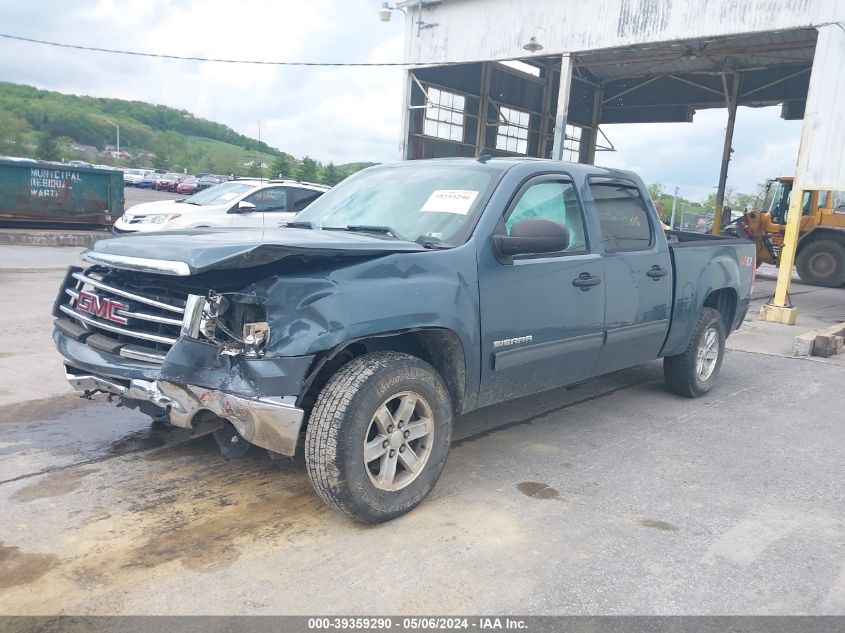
[
  {"x": 133, "y": 177},
  {"x": 238, "y": 203}
]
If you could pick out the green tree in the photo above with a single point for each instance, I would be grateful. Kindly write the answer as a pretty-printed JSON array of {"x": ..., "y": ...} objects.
[
  {"x": 159, "y": 159},
  {"x": 12, "y": 130},
  {"x": 47, "y": 148},
  {"x": 284, "y": 167},
  {"x": 307, "y": 170},
  {"x": 331, "y": 176},
  {"x": 225, "y": 162},
  {"x": 655, "y": 190}
]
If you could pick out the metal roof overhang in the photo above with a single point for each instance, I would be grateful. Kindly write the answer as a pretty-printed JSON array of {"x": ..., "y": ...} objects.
[{"x": 668, "y": 82}]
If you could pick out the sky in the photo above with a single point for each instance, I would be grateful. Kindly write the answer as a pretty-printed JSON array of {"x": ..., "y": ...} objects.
[{"x": 331, "y": 114}]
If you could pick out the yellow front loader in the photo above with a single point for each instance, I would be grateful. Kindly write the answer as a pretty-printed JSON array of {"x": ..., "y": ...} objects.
[{"x": 820, "y": 259}]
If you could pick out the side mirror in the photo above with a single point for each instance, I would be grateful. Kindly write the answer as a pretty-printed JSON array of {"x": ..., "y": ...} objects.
[
  {"x": 244, "y": 207},
  {"x": 532, "y": 237}
]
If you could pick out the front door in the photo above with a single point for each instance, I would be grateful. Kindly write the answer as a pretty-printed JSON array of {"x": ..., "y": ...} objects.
[
  {"x": 542, "y": 317},
  {"x": 638, "y": 274},
  {"x": 270, "y": 206}
]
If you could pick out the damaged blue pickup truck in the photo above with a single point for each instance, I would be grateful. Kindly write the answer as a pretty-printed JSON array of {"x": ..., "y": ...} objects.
[{"x": 405, "y": 296}]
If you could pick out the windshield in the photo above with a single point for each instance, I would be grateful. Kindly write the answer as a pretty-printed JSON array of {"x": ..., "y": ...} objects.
[
  {"x": 221, "y": 194},
  {"x": 437, "y": 202},
  {"x": 780, "y": 200}
]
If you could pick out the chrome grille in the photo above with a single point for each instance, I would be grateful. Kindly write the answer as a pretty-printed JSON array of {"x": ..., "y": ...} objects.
[{"x": 152, "y": 312}]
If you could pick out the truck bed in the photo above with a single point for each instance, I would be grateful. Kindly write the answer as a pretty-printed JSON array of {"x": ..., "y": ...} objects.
[{"x": 706, "y": 262}]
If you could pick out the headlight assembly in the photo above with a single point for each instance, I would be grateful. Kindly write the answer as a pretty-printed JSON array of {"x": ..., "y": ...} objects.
[{"x": 160, "y": 218}]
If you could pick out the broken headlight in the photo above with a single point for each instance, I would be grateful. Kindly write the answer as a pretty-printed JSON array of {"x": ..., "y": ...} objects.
[{"x": 237, "y": 328}]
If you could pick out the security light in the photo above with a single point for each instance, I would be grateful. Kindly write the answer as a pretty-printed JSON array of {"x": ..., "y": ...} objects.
[{"x": 533, "y": 45}]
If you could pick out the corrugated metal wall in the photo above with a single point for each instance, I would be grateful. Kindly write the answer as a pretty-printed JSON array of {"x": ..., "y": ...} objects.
[
  {"x": 475, "y": 30},
  {"x": 821, "y": 160}
]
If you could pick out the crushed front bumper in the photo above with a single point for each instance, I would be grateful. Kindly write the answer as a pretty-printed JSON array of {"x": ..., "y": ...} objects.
[{"x": 271, "y": 423}]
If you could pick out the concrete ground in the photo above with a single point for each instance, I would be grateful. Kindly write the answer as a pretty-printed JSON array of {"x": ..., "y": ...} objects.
[{"x": 609, "y": 497}]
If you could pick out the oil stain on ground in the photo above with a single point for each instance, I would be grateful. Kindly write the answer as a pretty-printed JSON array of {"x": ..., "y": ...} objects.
[
  {"x": 42, "y": 409},
  {"x": 657, "y": 525},
  {"x": 57, "y": 484},
  {"x": 19, "y": 568},
  {"x": 537, "y": 490}
]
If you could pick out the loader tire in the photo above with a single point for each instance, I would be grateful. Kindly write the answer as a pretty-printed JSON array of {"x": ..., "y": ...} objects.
[{"x": 822, "y": 263}]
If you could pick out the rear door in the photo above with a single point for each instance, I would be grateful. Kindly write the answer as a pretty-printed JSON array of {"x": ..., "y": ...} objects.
[
  {"x": 299, "y": 198},
  {"x": 638, "y": 275},
  {"x": 541, "y": 316}
]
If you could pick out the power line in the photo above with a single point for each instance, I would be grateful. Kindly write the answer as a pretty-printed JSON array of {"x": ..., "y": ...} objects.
[
  {"x": 212, "y": 59},
  {"x": 255, "y": 62}
]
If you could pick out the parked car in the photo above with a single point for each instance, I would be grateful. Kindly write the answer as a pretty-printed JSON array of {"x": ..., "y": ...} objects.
[
  {"x": 168, "y": 181},
  {"x": 209, "y": 181},
  {"x": 405, "y": 296},
  {"x": 188, "y": 185},
  {"x": 133, "y": 177},
  {"x": 239, "y": 203},
  {"x": 149, "y": 180}
]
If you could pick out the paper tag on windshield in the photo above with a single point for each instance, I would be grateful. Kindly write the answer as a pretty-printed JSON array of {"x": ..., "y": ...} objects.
[{"x": 450, "y": 201}]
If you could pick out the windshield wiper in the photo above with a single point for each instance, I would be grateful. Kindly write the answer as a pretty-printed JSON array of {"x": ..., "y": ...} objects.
[
  {"x": 368, "y": 228},
  {"x": 301, "y": 224},
  {"x": 432, "y": 242}
]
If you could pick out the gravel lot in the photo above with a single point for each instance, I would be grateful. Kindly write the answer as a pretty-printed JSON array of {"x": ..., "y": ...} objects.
[{"x": 609, "y": 497}]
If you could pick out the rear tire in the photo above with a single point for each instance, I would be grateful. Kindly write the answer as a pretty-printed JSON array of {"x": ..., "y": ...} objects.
[
  {"x": 693, "y": 373},
  {"x": 378, "y": 436},
  {"x": 822, "y": 263}
]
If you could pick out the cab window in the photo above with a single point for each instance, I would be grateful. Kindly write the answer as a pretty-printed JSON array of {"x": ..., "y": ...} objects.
[
  {"x": 623, "y": 217},
  {"x": 553, "y": 200},
  {"x": 270, "y": 199}
]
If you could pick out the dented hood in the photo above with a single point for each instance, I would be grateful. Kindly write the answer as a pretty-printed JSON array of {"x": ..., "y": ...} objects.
[{"x": 199, "y": 250}]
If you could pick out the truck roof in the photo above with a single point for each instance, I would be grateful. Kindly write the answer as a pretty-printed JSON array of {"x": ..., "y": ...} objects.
[{"x": 508, "y": 162}]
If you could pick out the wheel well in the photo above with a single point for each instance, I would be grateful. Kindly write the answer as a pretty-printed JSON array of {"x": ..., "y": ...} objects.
[
  {"x": 836, "y": 235},
  {"x": 724, "y": 301},
  {"x": 439, "y": 347}
]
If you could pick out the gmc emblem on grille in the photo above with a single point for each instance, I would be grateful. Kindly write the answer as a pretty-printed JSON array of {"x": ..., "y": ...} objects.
[{"x": 102, "y": 307}]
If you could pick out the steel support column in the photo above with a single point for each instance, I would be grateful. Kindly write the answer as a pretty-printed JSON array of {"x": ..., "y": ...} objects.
[
  {"x": 407, "y": 87},
  {"x": 732, "y": 98},
  {"x": 562, "y": 106},
  {"x": 587, "y": 148},
  {"x": 483, "y": 100}
]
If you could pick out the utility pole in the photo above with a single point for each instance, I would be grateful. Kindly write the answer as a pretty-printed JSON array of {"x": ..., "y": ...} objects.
[
  {"x": 260, "y": 169},
  {"x": 674, "y": 204},
  {"x": 117, "y": 127}
]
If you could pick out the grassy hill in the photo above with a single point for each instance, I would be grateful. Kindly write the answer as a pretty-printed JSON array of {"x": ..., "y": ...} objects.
[{"x": 55, "y": 126}]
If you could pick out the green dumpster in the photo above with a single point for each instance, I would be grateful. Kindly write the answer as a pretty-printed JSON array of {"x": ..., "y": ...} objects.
[{"x": 53, "y": 193}]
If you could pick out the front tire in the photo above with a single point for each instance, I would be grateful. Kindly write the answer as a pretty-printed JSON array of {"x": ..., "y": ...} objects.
[
  {"x": 378, "y": 436},
  {"x": 822, "y": 263},
  {"x": 693, "y": 373}
]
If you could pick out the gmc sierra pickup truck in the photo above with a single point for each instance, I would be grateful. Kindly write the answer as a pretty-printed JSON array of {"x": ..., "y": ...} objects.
[{"x": 405, "y": 296}]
